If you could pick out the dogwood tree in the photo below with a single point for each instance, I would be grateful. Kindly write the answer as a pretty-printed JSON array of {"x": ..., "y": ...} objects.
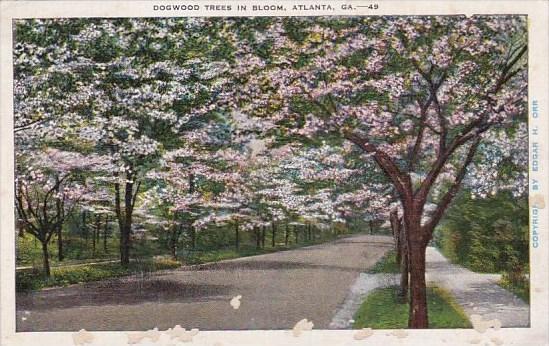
[
  {"x": 418, "y": 95},
  {"x": 125, "y": 88},
  {"x": 47, "y": 190}
]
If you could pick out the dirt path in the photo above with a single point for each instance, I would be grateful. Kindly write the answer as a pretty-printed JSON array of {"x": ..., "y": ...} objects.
[
  {"x": 478, "y": 294},
  {"x": 277, "y": 290}
]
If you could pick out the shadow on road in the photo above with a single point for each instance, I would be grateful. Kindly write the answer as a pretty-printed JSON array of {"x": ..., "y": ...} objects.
[
  {"x": 270, "y": 265},
  {"x": 122, "y": 292}
]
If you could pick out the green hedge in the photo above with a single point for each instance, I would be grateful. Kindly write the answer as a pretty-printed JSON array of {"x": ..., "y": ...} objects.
[{"x": 489, "y": 235}]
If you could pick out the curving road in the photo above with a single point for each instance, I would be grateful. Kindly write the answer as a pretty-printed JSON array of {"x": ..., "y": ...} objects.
[{"x": 277, "y": 290}]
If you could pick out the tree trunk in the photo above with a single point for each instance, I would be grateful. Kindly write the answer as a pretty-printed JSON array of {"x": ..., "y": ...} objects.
[
  {"x": 263, "y": 231},
  {"x": 273, "y": 234},
  {"x": 125, "y": 222},
  {"x": 237, "y": 237},
  {"x": 257, "y": 238},
  {"x": 46, "y": 259},
  {"x": 396, "y": 225},
  {"x": 296, "y": 235},
  {"x": 286, "y": 235},
  {"x": 60, "y": 254},
  {"x": 371, "y": 223},
  {"x": 404, "y": 264},
  {"x": 105, "y": 233},
  {"x": 59, "y": 230},
  {"x": 95, "y": 231},
  {"x": 173, "y": 242},
  {"x": 418, "y": 292},
  {"x": 85, "y": 227},
  {"x": 124, "y": 246},
  {"x": 193, "y": 237}
]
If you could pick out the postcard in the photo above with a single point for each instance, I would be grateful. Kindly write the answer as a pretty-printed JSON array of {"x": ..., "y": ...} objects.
[{"x": 274, "y": 173}]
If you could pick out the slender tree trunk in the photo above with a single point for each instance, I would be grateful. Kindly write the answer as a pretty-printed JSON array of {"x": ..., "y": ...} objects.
[
  {"x": 237, "y": 237},
  {"x": 125, "y": 217},
  {"x": 60, "y": 254},
  {"x": 173, "y": 242},
  {"x": 98, "y": 235},
  {"x": 371, "y": 223},
  {"x": 193, "y": 237},
  {"x": 46, "y": 259},
  {"x": 286, "y": 235},
  {"x": 396, "y": 226},
  {"x": 404, "y": 264},
  {"x": 95, "y": 232},
  {"x": 59, "y": 230},
  {"x": 273, "y": 233},
  {"x": 296, "y": 235},
  {"x": 105, "y": 233},
  {"x": 257, "y": 238},
  {"x": 263, "y": 231},
  {"x": 93, "y": 242},
  {"x": 85, "y": 227},
  {"x": 191, "y": 228}
]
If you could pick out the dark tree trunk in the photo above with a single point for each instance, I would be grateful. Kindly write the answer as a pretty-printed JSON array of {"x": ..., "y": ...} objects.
[
  {"x": 296, "y": 235},
  {"x": 173, "y": 242},
  {"x": 59, "y": 231},
  {"x": 98, "y": 235},
  {"x": 60, "y": 254},
  {"x": 396, "y": 225},
  {"x": 263, "y": 231},
  {"x": 286, "y": 235},
  {"x": 401, "y": 250},
  {"x": 404, "y": 264},
  {"x": 191, "y": 227},
  {"x": 257, "y": 238},
  {"x": 105, "y": 233},
  {"x": 237, "y": 237},
  {"x": 193, "y": 237},
  {"x": 85, "y": 227},
  {"x": 95, "y": 232},
  {"x": 273, "y": 234},
  {"x": 418, "y": 317},
  {"x": 46, "y": 259},
  {"x": 371, "y": 224},
  {"x": 125, "y": 217}
]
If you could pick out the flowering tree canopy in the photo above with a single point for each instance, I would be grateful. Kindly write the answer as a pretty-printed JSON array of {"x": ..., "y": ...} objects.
[{"x": 248, "y": 122}]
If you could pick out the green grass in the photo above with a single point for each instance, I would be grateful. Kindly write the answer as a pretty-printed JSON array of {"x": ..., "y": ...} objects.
[
  {"x": 33, "y": 279},
  {"x": 383, "y": 310},
  {"x": 521, "y": 289},
  {"x": 387, "y": 264}
]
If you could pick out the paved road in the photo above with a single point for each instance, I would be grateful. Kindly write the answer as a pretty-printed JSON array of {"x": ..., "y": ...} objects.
[{"x": 277, "y": 290}]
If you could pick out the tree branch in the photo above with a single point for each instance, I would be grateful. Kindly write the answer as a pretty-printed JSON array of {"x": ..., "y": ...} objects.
[{"x": 452, "y": 191}]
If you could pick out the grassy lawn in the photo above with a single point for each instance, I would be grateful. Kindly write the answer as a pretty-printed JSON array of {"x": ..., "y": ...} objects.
[
  {"x": 382, "y": 310},
  {"x": 387, "y": 264},
  {"x": 32, "y": 279}
]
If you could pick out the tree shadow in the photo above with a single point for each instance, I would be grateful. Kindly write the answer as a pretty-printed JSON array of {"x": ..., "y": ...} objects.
[
  {"x": 121, "y": 292},
  {"x": 271, "y": 265}
]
